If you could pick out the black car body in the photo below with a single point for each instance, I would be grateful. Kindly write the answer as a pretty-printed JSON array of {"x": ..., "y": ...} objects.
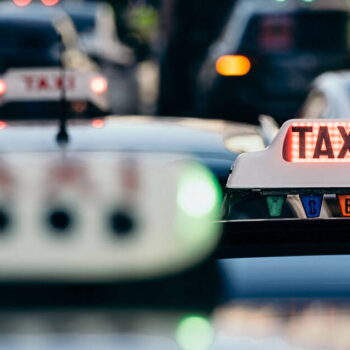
[{"x": 277, "y": 42}]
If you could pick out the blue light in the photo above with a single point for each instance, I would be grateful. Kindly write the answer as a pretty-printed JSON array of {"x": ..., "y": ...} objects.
[{"x": 312, "y": 205}]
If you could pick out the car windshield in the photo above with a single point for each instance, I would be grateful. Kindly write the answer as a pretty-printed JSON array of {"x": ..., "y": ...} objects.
[
  {"x": 26, "y": 35},
  {"x": 298, "y": 32},
  {"x": 83, "y": 24},
  {"x": 28, "y": 44}
]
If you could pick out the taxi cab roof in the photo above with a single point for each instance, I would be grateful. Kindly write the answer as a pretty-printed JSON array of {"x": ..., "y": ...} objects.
[
  {"x": 247, "y": 9},
  {"x": 271, "y": 6},
  {"x": 90, "y": 7},
  {"x": 32, "y": 12},
  {"x": 202, "y": 137},
  {"x": 37, "y": 15}
]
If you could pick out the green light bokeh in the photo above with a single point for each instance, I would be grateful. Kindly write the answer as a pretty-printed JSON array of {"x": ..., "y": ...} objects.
[
  {"x": 199, "y": 200},
  {"x": 194, "y": 333},
  {"x": 199, "y": 193}
]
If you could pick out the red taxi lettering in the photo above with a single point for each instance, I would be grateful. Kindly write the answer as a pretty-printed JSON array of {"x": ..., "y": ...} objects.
[
  {"x": 29, "y": 82},
  {"x": 70, "y": 82},
  {"x": 42, "y": 83},
  {"x": 323, "y": 144},
  {"x": 317, "y": 142},
  {"x": 302, "y": 130},
  {"x": 346, "y": 139}
]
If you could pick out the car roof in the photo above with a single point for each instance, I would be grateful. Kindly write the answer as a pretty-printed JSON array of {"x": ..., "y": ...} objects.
[
  {"x": 146, "y": 134},
  {"x": 85, "y": 9},
  {"x": 268, "y": 6},
  {"x": 335, "y": 86},
  {"x": 33, "y": 13},
  {"x": 244, "y": 10}
]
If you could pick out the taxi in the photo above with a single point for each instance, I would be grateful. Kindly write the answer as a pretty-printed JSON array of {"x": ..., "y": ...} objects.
[
  {"x": 287, "y": 281},
  {"x": 43, "y": 69},
  {"x": 102, "y": 227},
  {"x": 311, "y": 147}
]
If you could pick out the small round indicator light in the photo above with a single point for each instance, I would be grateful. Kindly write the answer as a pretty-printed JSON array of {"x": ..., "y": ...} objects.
[
  {"x": 122, "y": 223},
  {"x": 60, "y": 220}
]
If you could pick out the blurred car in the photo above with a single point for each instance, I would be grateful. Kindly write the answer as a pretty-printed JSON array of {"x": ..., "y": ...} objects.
[
  {"x": 96, "y": 25},
  {"x": 187, "y": 29},
  {"x": 107, "y": 226},
  {"x": 215, "y": 143},
  {"x": 268, "y": 54},
  {"x": 43, "y": 69},
  {"x": 329, "y": 97},
  {"x": 97, "y": 143},
  {"x": 286, "y": 285}
]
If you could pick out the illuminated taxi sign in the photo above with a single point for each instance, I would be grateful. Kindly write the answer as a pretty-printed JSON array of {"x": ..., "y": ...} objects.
[
  {"x": 317, "y": 142},
  {"x": 309, "y": 158},
  {"x": 304, "y": 154}
]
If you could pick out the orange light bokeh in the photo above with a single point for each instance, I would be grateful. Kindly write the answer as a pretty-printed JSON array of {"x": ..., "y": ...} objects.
[{"x": 233, "y": 65}]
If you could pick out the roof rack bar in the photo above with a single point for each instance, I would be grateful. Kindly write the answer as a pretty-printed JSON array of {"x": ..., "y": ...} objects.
[{"x": 285, "y": 237}]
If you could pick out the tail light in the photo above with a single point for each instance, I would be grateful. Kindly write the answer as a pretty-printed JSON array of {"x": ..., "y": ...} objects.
[
  {"x": 50, "y": 2},
  {"x": 3, "y": 87},
  {"x": 22, "y": 3},
  {"x": 79, "y": 106},
  {"x": 98, "y": 123},
  {"x": 99, "y": 85},
  {"x": 233, "y": 65}
]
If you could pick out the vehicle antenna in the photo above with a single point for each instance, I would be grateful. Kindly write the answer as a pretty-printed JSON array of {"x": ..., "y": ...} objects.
[{"x": 62, "y": 136}]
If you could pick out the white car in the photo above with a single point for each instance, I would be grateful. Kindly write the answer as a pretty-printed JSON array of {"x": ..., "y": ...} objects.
[
  {"x": 96, "y": 24},
  {"x": 42, "y": 66},
  {"x": 329, "y": 97}
]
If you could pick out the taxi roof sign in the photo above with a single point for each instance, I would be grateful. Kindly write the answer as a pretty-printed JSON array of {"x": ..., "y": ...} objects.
[{"x": 305, "y": 154}]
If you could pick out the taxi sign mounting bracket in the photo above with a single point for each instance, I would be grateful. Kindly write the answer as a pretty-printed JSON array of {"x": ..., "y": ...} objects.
[{"x": 62, "y": 136}]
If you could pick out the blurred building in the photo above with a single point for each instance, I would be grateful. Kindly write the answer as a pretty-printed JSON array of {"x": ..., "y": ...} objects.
[{"x": 187, "y": 30}]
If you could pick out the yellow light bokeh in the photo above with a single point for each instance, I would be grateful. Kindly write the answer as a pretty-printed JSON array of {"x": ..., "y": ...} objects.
[{"x": 233, "y": 65}]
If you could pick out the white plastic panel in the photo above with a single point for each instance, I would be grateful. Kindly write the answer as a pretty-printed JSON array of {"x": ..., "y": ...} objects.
[
  {"x": 320, "y": 167},
  {"x": 44, "y": 84},
  {"x": 156, "y": 231}
]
